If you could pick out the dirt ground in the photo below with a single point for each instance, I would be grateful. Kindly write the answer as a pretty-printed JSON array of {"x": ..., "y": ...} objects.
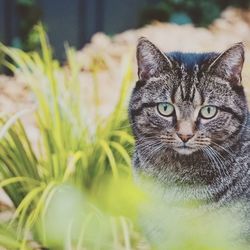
[{"x": 109, "y": 53}]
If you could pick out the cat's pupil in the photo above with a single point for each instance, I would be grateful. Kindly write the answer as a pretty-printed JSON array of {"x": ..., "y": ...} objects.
[
  {"x": 165, "y": 107},
  {"x": 208, "y": 110}
]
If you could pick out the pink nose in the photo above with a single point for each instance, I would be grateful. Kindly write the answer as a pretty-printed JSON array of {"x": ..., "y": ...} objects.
[{"x": 185, "y": 137}]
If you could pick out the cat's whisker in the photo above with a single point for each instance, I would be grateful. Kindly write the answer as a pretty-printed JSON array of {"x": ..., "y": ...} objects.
[
  {"x": 213, "y": 160},
  {"x": 220, "y": 159},
  {"x": 207, "y": 153},
  {"x": 123, "y": 127},
  {"x": 148, "y": 137},
  {"x": 222, "y": 162},
  {"x": 230, "y": 153},
  {"x": 147, "y": 148},
  {"x": 202, "y": 142},
  {"x": 148, "y": 144},
  {"x": 149, "y": 154},
  {"x": 219, "y": 163}
]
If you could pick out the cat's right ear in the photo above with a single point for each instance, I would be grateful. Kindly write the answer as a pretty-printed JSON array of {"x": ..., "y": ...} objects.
[
  {"x": 229, "y": 64},
  {"x": 151, "y": 61}
]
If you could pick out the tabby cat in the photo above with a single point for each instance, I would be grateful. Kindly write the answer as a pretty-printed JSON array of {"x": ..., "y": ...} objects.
[{"x": 190, "y": 120}]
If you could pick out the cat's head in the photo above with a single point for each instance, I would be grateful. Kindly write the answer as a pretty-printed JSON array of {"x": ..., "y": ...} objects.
[{"x": 186, "y": 101}]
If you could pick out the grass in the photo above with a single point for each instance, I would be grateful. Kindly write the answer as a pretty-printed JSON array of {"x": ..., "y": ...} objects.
[
  {"x": 76, "y": 191},
  {"x": 70, "y": 152}
]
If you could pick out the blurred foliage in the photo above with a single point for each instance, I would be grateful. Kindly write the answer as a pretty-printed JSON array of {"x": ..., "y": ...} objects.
[
  {"x": 1, "y": 61},
  {"x": 75, "y": 191},
  {"x": 8, "y": 237},
  {"x": 198, "y": 12},
  {"x": 29, "y": 15},
  {"x": 72, "y": 148}
]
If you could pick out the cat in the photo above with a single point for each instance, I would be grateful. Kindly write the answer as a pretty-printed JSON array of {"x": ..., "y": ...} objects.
[{"x": 190, "y": 119}]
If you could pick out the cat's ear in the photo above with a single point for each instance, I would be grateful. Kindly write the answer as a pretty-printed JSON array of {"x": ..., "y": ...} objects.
[
  {"x": 229, "y": 64},
  {"x": 150, "y": 59}
]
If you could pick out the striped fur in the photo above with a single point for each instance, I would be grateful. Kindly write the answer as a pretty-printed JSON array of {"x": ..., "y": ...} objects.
[{"x": 214, "y": 166}]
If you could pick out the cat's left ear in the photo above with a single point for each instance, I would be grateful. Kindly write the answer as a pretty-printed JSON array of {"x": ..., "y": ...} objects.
[
  {"x": 229, "y": 64},
  {"x": 151, "y": 61}
]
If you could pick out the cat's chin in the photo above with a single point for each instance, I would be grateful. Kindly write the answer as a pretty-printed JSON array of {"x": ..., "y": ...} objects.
[{"x": 184, "y": 150}]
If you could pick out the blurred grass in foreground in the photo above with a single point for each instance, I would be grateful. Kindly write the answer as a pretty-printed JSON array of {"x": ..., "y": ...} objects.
[{"x": 77, "y": 191}]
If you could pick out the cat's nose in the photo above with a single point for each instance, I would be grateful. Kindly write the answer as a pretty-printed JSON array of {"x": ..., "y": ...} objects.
[{"x": 185, "y": 137}]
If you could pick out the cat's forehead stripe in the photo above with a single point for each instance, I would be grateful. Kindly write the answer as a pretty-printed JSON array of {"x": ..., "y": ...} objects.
[{"x": 187, "y": 90}]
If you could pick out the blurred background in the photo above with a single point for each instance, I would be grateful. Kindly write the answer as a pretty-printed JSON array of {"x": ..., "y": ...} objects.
[{"x": 76, "y": 21}]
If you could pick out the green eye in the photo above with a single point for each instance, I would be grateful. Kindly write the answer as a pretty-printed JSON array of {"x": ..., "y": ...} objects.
[
  {"x": 208, "y": 112},
  {"x": 165, "y": 109}
]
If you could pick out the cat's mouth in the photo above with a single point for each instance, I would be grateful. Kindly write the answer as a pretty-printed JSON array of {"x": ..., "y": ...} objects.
[{"x": 184, "y": 149}]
